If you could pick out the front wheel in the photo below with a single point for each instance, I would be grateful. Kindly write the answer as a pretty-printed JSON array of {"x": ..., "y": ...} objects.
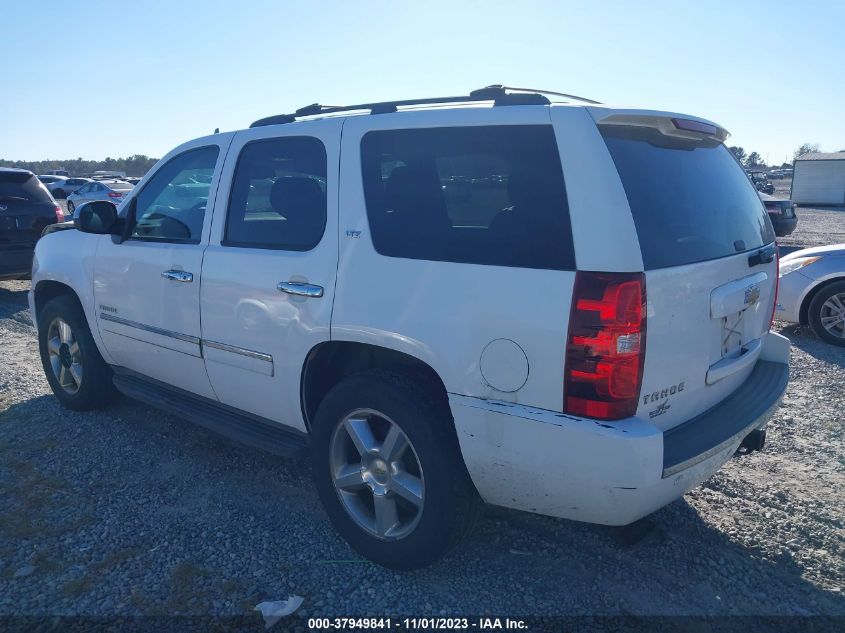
[
  {"x": 75, "y": 370},
  {"x": 389, "y": 471},
  {"x": 70, "y": 207},
  {"x": 827, "y": 313}
]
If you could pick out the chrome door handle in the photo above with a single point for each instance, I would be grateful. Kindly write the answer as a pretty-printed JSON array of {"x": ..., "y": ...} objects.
[
  {"x": 178, "y": 275},
  {"x": 300, "y": 289}
]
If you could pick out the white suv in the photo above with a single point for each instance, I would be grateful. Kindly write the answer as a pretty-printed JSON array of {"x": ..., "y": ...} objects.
[{"x": 557, "y": 307}]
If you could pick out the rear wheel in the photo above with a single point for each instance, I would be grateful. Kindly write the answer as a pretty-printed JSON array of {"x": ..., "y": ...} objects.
[
  {"x": 77, "y": 373},
  {"x": 827, "y": 313},
  {"x": 389, "y": 470},
  {"x": 70, "y": 207}
]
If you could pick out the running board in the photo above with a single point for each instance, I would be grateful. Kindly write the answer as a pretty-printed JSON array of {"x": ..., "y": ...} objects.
[{"x": 227, "y": 421}]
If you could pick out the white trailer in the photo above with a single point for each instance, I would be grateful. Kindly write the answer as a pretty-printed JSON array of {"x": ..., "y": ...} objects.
[{"x": 819, "y": 178}]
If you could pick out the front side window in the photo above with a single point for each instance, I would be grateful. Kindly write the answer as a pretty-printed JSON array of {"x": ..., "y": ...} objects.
[
  {"x": 483, "y": 195},
  {"x": 278, "y": 197},
  {"x": 171, "y": 206}
]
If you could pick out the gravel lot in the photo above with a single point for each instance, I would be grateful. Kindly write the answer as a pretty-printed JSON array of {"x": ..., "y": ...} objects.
[
  {"x": 128, "y": 511},
  {"x": 817, "y": 226}
]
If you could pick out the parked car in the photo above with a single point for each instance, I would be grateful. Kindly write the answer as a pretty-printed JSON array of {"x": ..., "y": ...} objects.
[
  {"x": 812, "y": 291},
  {"x": 761, "y": 182},
  {"x": 62, "y": 189},
  {"x": 589, "y": 350},
  {"x": 109, "y": 190},
  {"x": 26, "y": 209},
  {"x": 782, "y": 214},
  {"x": 59, "y": 172},
  {"x": 50, "y": 179}
]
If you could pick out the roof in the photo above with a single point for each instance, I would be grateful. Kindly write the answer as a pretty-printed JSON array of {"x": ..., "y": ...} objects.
[
  {"x": 15, "y": 170},
  {"x": 823, "y": 156}
]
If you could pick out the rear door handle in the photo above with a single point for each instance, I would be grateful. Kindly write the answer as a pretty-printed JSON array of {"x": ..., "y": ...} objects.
[
  {"x": 300, "y": 289},
  {"x": 178, "y": 275}
]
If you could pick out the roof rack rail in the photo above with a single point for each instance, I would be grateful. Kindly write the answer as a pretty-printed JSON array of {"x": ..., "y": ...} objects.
[
  {"x": 514, "y": 90},
  {"x": 500, "y": 96}
]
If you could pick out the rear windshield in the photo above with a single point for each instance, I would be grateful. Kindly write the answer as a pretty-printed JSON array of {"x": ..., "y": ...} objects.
[
  {"x": 22, "y": 186},
  {"x": 690, "y": 199},
  {"x": 122, "y": 186}
]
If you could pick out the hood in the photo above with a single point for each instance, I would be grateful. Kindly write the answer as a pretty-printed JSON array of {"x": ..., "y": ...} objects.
[{"x": 815, "y": 251}]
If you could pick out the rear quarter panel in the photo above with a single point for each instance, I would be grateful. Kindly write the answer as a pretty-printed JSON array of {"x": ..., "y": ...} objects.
[{"x": 446, "y": 313}]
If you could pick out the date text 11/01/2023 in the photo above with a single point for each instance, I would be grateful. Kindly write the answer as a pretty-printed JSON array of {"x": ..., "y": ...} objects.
[{"x": 418, "y": 624}]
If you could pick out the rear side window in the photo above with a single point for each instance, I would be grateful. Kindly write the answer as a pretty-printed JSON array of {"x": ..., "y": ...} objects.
[
  {"x": 278, "y": 197},
  {"x": 690, "y": 199},
  {"x": 15, "y": 185},
  {"x": 481, "y": 195}
]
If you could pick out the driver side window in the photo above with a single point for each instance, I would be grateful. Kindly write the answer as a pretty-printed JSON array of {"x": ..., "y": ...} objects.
[{"x": 171, "y": 206}]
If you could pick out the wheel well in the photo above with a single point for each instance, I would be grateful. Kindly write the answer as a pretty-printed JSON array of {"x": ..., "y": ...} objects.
[
  {"x": 47, "y": 290},
  {"x": 805, "y": 305},
  {"x": 330, "y": 362}
]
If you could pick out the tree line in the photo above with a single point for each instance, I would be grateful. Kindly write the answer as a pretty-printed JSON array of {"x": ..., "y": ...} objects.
[
  {"x": 136, "y": 165},
  {"x": 755, "y": 160}
]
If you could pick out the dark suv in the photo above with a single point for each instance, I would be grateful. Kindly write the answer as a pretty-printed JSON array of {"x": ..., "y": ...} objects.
[{"x": 26, "y": 208}]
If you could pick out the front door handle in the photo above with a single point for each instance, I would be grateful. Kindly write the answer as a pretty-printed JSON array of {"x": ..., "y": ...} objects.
[
  {"x": 178, "y": 275},
  {"x": 300, "y": 289}
]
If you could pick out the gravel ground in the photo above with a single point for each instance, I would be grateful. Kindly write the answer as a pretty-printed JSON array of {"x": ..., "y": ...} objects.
[
  {"x": 817, "y": 226},
  {"x": 127, "y": 511}
]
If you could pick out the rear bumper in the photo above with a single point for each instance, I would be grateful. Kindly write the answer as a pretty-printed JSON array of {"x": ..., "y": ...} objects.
[
  {"x": 783, "y": 226},
  {"x": 611, "y": 473}
]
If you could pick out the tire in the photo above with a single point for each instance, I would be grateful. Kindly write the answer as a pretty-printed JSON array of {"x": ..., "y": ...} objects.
[
  {"x": 60, "y": 193},
  {"x": 77, "y": 373},
  {"x": 70, "y": 207},
  {"x": 421, "y": 533},
  {"x": 826, "y": 313}
]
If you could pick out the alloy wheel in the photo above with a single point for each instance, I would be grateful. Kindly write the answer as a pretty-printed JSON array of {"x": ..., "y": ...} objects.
[
  {"x": 832, "y": 315},
  {"x": 377, "y": 474},
  {"x": 65, "y": 355}
]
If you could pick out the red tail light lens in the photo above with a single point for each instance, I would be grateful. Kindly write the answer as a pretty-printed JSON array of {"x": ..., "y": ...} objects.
[
  {"x": 114, "y": 194},
  {"x": 60, "y": 215},
  {"x": 606, "y": 347}
]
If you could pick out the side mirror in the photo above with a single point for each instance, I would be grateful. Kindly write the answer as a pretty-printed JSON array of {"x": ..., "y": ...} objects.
[{"x": 97, "y": 217}]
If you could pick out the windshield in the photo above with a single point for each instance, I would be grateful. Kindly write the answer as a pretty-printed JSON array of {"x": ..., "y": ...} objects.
[{"x": 690, "y": 199}]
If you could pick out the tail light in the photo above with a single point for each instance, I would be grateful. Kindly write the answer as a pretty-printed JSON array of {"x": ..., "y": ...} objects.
[
  {"x": 605, "y": 350},
  {"x": 114, "y": 194},
  {"x": 60, "y": 215}
]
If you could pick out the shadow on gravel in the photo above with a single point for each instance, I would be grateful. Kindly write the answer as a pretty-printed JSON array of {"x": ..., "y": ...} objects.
[
  {"x": 803, "y": 338},
  {"x": 130, "y": 511},
  {"x": 12, "y": 301}
]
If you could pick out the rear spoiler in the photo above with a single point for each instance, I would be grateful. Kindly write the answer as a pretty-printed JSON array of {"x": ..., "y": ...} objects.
[{"x": 668, "y": 123}]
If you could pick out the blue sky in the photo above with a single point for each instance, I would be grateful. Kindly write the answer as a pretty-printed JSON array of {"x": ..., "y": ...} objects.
[{"x": 96, "y": 79}]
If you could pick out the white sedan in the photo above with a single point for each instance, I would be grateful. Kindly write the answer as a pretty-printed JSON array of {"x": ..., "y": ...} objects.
[
  {"x": 812, "y": 291},
  {"x": 113, "y": 191}
]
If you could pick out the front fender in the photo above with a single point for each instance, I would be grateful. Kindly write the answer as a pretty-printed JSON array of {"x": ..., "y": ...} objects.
[{"x": 68, "y": 258}]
